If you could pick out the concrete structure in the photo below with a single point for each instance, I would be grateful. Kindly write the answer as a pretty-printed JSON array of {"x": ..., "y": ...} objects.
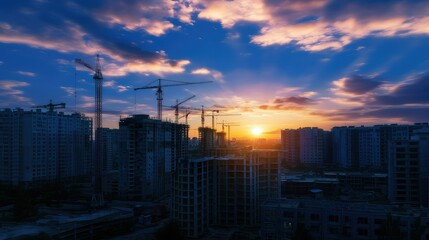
[
  {"x": 37, "y": 146},
  {"x": 308, "y": 146},
  {"x": 327, "y": 219},
  {"x": 290, "y": 146},
  {"x": 409, "y": 170},
  {"x": 111, "y": 149},
  {"x": 368, "y": 147},
  {"x": 206, "y": 140},
  {"x": 224, "y": 191},
  {"x": 193, "y": 195},
  {"x": 151, "y": 150}
]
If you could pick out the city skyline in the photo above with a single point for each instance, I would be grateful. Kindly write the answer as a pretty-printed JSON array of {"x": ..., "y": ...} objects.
[{"x": 280, "y": 64}]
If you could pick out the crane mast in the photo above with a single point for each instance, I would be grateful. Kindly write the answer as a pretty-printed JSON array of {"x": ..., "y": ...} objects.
[
  {"x": 159, "y": 93},
  {"x": 176, "y": 107},
  {"x": 98, "y": 124}
]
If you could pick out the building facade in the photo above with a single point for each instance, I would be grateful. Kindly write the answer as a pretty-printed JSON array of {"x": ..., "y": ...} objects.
[
  {"x": 284, "y": 219},
  {"x": 225, "y": 191},
  {"x": 150, "y": 150},
  {"x": 37, "y": 146},
  {"x": 409, "y": 170}
]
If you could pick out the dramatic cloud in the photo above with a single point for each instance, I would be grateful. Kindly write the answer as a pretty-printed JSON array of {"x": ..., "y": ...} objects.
[
  {"x": 295, "y": 99},
  {"x": 85, "y": 27},
  {"x": 394, "y": 114},
  {"x": 413, "y": 91},
  {"x": 316, "y": 25},
  {"x": 356, "y": 85},
  {"x": 406, "y": 100}
]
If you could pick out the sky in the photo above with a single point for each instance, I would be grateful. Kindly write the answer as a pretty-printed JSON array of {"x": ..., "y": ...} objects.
[{"x": 279, "y": 64}]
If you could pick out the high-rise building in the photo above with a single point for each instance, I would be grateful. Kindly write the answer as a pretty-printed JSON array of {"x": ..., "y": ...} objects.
[
  {"x": 193, "y": 195},
  {"x": 409, "y": 170},
  {"x": 37, "y": 146},
  {"x": 344, "y": 150},
  {"x": 225, "y": 190},
  {"x": 308, "y": 146},
  {"x": 367, "y": 147},
  {"x": 151, "y": 150},
  {"x": 111, "y": 150},
  {"x": 290, "y": 147},
  {"x": 206, "y": 137}
]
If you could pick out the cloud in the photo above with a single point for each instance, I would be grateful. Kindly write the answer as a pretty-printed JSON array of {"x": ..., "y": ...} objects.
[
  {"x": 356, "y": 85},
  {"x": 406, "y": 100},
  {"x": 202, "y": 71},
  {"x": 1, "y": 62},
  {"x": 24, "y": 73},
  {"x": 383, "y": 114},
  {"x": 109, "y": 100},
  {"x": 412, "y": 91},
  {"x": 86, "y": 28},
  {"x": 295, "y": 99},
  {"x": 10, "y": 93},
  {"x": 123, "y": 88},
  {"x": 71, "y": 90},
  {"x": 316, "y": 25},
  {"x": 279, "y": 107},
  {"x": 216, "y": 75}
]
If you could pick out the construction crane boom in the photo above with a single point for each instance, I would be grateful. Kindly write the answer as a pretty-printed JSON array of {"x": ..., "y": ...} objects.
[
  {"x": 176, "y": 107},
  {"x": 51, "y": 106},
  {"x": 159, "y": 87},
  {"x": 98, "y": 198},
  {"x": 229, "y": 125},
  {"x": 220, "y": 115}
]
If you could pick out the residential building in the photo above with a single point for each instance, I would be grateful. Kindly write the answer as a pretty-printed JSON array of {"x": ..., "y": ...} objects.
[
  {"x": 38, "y": 146},
  {"x": 151, "y": 149},
  {"x": 408, "y": 169},
  {"x": 225, "y": 190},
  {"x": 330, "y": 219}
]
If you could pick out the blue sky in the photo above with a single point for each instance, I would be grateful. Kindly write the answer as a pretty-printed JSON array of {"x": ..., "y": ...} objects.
[{"x": 280, "y": 64}]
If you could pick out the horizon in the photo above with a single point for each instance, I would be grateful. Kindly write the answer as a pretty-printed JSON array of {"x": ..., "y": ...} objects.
[{"x": 280, "y": 64}]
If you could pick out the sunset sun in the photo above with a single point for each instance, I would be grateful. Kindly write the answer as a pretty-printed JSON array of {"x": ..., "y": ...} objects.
[{"x": 257, "y": 131}]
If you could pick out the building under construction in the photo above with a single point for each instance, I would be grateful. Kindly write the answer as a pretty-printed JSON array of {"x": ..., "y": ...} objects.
[
  {"x": 225, "y": 191},
  {"x": 151, "y": 149}
]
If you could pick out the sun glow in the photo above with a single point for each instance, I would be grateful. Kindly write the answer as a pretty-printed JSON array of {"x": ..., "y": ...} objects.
[{"x": 257, "y": 131}]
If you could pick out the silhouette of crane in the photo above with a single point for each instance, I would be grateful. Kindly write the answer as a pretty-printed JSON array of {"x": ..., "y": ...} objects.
[
  {"x": 97, "y": 197},
  {"x": 176, "y": 107},
  {"x": 229, "y": 125},
  {"x": 159, "y": 87},
  {"x": 51, "y": 106}
]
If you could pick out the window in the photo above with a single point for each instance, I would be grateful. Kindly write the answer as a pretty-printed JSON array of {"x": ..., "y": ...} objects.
[
  {"x": 362, "y": 232},
  {"x": 314, "y": 217},
  {"x": 362, "y": 220},
  {"x": 333, "y": 218}
]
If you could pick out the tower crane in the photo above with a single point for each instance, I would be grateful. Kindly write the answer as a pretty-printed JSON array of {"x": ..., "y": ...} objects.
[
  {"x": 213, "y": 115},
  {"x": 186, "y": 116},
  {"x": 159, "y": 87},
  {"x": 176, "y": 107},
  {"x": 51, "y": 106},
  {"x": 97, "y": 197},
  {"x": 229, "y": 125}
]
